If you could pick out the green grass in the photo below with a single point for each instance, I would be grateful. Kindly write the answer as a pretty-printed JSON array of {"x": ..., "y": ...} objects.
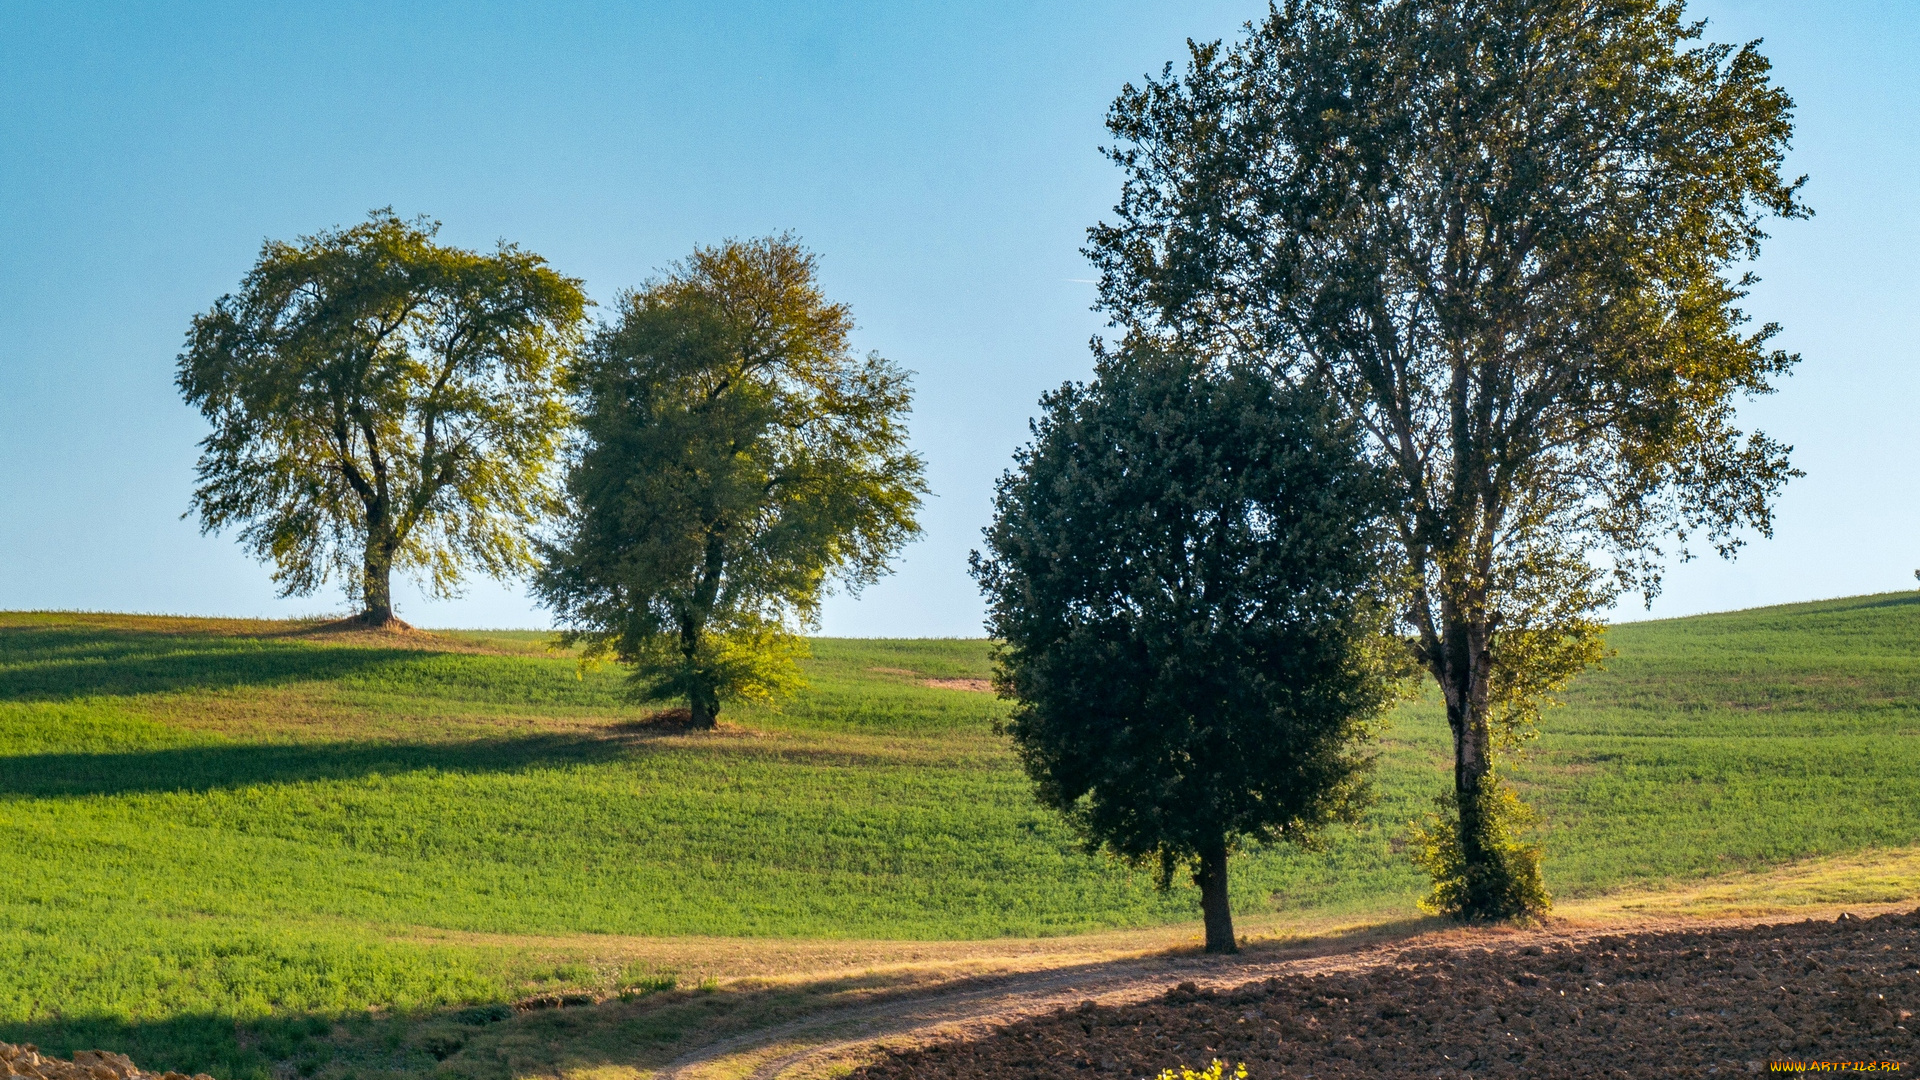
[
  {"x": 211, "y": 823},
  {"x": 1736, "y": 742}
]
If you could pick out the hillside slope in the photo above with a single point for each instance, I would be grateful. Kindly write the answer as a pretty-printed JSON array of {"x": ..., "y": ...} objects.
[{"x": 276, "y": 823}]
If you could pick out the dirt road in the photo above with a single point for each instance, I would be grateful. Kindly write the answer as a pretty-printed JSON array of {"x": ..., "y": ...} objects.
[{"x": 1672, "y": 997}]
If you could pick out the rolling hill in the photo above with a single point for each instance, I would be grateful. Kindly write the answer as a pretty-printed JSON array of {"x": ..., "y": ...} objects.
[{"x": 229, "y": 842}]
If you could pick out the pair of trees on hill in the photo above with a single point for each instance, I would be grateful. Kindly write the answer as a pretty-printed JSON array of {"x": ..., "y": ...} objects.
[
  {"x": 382, "y": 401},
  {"x": 1499, "y": 239}
]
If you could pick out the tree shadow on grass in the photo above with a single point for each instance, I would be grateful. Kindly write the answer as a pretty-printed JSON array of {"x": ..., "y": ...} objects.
[
  {"x": 1903, "y": 599},
  {"x": 208, "y": 768},
  {"x": 193, "y": 1043},
  {"x": 494, "y": 1042},
  {"x": 62, "y": 663},
  {"x": 230, "y": 765},
  {"x": 650, "y": 1031}
]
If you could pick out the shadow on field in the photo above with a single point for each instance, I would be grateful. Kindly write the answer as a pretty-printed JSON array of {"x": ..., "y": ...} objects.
[
  {"x": 490, "y": 1041},
  {"x": 192, "y": 1043},
  {"x": 485, "y": 1042},
  {"x": 61, "y": 663},
  {"x": 1894, "y": 600},
  {"x": 657, "y": 1027},
  {"x": 205, "y": 768}
]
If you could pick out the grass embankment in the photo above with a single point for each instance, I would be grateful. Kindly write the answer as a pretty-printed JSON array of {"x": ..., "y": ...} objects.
[{"x": 233, "y": 844}]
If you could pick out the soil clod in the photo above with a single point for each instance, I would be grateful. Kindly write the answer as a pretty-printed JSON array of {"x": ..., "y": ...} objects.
[{"x": 27, "y": 1061}]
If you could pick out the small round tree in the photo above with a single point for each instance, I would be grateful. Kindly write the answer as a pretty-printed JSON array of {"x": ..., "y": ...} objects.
[{"x": 1189, "y": 580}]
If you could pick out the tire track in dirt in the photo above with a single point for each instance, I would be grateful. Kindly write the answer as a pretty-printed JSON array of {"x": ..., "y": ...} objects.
[{"x": 975, "y": 1005}]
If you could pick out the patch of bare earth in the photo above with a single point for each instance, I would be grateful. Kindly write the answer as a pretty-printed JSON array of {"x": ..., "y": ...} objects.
[
  {"x": 27, "y": 1061},
  {"x": 394, "y": 634},
  {"x": 1702, "y": 1000},
  {"x": 975, "y": 686}
]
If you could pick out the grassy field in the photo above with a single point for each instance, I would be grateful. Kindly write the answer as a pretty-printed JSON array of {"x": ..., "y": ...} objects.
[{"x": 239, "y": 844}]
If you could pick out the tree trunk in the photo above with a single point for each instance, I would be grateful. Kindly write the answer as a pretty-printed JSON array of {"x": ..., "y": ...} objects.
[
  {"x": 703, "y": 703},
  {"x": 1472, "y": 760},
  {"x": 703, "y": 700},
  {"x": 376, "y": 585},
  {"x": 1211, "y": 876},
  {"x": 1468, "y": 669}
]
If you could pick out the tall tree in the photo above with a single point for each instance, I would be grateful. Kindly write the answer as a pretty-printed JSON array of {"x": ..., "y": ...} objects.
[
  {"x": 379, "y": 400},
  {"x": 1189, "y": 574},
  {"x": 738, "y": 458},
  {"x": 1508, "y": 236}
]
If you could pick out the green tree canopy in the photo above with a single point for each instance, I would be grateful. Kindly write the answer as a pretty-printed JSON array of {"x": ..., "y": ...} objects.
[
  {"x": 379, "y": 400},
  {"x": 738, "y": 458},
  {"x": 1507, "y": 235},
  {"x": 1190, "y": 577}
]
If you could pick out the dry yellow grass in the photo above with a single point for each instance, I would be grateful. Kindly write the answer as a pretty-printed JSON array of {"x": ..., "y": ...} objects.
[
  {"x": 926, "y": 996},
  {"x": 1861, "y": 882},
  {"x": 808, "y": 1008}
]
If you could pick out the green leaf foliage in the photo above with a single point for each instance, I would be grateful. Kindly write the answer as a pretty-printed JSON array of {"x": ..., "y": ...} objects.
[
  {"x": 1510, "y": 237},
  {"x": 380, "y": 400},
  {"x": 1506, "y": 882},
  {"x": 1189, "y": 575},
  {"x": 737, "y": 458}
]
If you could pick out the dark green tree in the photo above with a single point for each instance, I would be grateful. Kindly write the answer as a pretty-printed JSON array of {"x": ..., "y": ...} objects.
[
  {"x": 1508, "y": 236},
  {"x": 379, "y": 400},
  {"x": 1190, "y": 581},
  {"x": 738, "y": 458}
]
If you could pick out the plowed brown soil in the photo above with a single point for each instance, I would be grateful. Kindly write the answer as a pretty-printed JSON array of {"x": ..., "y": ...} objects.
[{"x": 1711, "y": 1001}]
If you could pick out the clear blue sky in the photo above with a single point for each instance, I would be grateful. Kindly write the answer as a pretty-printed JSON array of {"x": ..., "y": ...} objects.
[{"x": 941, "y": 158}]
